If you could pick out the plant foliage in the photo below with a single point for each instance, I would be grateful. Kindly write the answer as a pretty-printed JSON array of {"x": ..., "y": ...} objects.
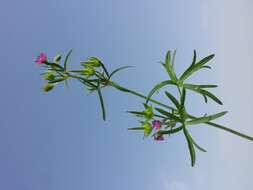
[{"x": 157, "y": 119}]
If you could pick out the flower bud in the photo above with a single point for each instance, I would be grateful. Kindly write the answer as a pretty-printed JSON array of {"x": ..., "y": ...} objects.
[
  {"x": 49, "y": 76},
  {"x": 156, "y": 124},
  {"x": 42, "y": 58},
  {"x": 93, "y": 62},
  {"x": 158, "y": 137},
  {"x": 147, "y": 129},
  {"x": 47, "y": 87},
  {"x": 149, "y": 112},
  {"x": 89, "y": 71}
]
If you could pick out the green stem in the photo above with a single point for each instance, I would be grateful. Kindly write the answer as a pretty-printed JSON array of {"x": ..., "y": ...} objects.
[
  {"x": 138, "y": 94},
  {"x": 121, "y": 89},
  {"x": 81, "y": 78}
]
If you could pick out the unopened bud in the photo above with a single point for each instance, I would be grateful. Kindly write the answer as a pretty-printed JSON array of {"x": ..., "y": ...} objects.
[
  {"x": 93, "y": 62},
  {"x": 149, "y": 113},
  {"x": 89, "y": 71},
  {"x": 49, "y": 76},
  {"x": 147, "y": 129},
  {"x": 47, "y": 87}
]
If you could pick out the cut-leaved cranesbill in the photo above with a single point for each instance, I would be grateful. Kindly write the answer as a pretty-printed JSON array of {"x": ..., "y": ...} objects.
[{"x": 157, "y": 119}]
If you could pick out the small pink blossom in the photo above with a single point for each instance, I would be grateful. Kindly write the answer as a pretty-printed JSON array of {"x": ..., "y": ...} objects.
[
  {"x": 158, "y": 137},
  {"x": 41, "y": 58},
  {"x": 156, "y": 124}
]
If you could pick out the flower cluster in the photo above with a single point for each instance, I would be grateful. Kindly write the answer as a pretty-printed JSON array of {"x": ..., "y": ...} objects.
[
  {"x": 155, "y": 124},
  {"x": 55, "y": 73},
  {"x": 150, "y": 123},
  {"x": 93, "y": 74}
]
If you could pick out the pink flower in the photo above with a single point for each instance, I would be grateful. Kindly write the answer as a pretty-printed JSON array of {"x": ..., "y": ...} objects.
[
  {"x": 156, "y": 124},
  {"x": 41, "y": 58},
  {"x": 158, "y": 137}
]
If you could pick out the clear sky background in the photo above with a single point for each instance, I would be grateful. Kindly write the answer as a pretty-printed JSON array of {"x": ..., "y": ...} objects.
[{"x": 58, "y": 141}]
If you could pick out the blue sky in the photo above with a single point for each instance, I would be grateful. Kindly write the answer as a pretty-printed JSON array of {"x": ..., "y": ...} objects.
[{"x": 59, "y": 141}]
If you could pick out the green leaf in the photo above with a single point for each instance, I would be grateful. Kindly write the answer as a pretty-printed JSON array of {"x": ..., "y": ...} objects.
[
  {"x": 169, "y": 68},
  {"x": 194, "y": 58},
  {"x": 57, "y": 58},
  {"x": 173, "y": 99},
  {"x": 171, "y": 131},
  {"x": 158, "y": 87},
  {"x": 190, "y": 146},
  {"x": 196, "y": 86},
  {"x": 205, "y": 98},
  {"x": 210, "y": 95},
  {"x": 197, "y": 146},
  {"x": 136, "y": 128},
  {"x": 195, "y": 67},
  {"x": 204, "y": 92},
  {"x": 142, "y": 114},
  {"x": 66, "y": 59},
  {"x": 167, "y": 114},
  {"x": 56, "y": 80},
  {"x": 230, "y": 131},
  {"x": 76, "y": 71},
  {"x": 119, "y": 69},
  {"x": 182, "y": 98},
  {"x": 205, "y": 119},
  {"x": 173, "y": 59},
  {"x": 87, "y": 82},
  {"x": 138, "y": 113},
  {"x": 104, "y": 68},
  {"x": 101, "y": 100},
  {"x": 53, "y": 65},
  {"x": 206, "y": 67}
]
